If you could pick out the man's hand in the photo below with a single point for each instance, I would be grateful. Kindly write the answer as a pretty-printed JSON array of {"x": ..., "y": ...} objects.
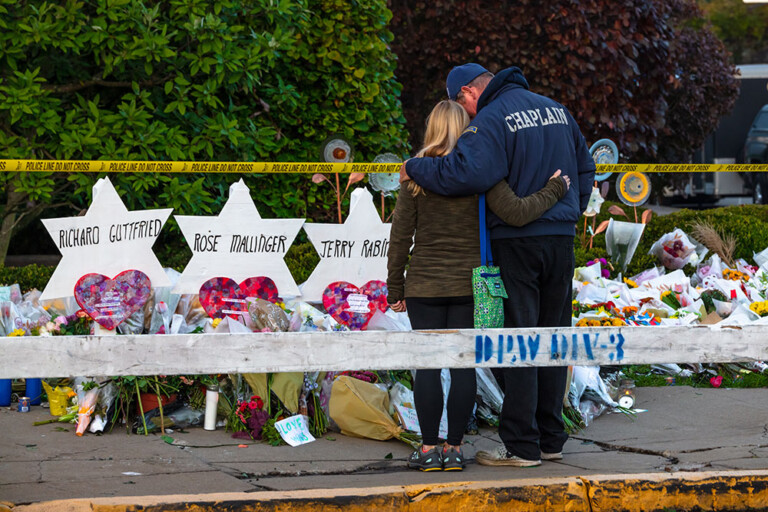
[
  {"x": 404, "y": 175},
  {"x": 399, "y": 306}
]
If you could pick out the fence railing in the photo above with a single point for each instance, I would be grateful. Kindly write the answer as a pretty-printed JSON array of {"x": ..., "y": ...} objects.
[{"x": 68, "y": 356}]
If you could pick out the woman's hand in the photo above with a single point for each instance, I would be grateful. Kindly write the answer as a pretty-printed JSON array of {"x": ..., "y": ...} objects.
[
  {"x": 565, "y": 177},
  {"x": 399, "y": 306}
]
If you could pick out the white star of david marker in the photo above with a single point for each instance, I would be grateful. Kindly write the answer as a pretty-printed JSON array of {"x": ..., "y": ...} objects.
[
  {"x": 107, "y": 240},
  {"x": 237, "y": 244},
  {"x": 355, "y": 251}
]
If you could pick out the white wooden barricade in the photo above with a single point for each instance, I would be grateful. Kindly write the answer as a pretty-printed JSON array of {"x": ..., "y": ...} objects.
[{"x": 68, "y": 356}]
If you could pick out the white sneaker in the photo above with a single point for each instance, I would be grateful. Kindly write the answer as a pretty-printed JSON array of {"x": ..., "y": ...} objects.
[
  {"x": 501, "y": 457},
  {"x": 551, "y": 456}
]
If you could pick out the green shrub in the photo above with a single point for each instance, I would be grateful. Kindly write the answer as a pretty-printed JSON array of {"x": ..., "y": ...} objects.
[
  {"x": 28, "y": 277},
  {"x": 219, "y": 80},
  {"x": 301, "y": 260}
]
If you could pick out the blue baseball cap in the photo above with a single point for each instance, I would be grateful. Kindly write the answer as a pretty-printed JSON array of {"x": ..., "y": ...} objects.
[{"x": 461, "y": 76}]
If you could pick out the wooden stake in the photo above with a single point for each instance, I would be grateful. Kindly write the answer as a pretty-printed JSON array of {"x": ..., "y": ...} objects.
[{"x": 338, "y": 197}]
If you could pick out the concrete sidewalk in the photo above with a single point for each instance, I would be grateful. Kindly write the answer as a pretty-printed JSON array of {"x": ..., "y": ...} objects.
[{"x": 685, "y": 431}]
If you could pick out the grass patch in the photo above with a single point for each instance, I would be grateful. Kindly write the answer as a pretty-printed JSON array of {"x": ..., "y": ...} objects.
[{"x": 732, "y": 377}]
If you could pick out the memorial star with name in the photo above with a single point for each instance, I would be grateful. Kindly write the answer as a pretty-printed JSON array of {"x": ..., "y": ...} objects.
[
  {"x": 355, "y": 251},
  {"x": 237, "y": 244},
  {"x": 107, "y": 240}
]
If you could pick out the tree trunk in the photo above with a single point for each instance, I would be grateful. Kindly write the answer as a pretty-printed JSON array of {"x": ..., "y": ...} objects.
[
  {"x": 14, "y": 198},
  {"x": 6, "y": 229}
]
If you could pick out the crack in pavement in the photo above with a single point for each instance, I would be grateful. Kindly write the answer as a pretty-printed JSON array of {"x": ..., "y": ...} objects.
[
  {"x": 365, "y": 469},
  {"x": 698, "y": 450},
  {"x": 643, "y": 451}
]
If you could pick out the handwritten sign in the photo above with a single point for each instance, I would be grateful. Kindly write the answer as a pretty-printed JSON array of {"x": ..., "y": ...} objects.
[
  {"x": 295, "y": 430},
  {"x": 410, "y": 420},
  {"x": 237, "y": 244},
  {"x": 510, "y": 349},
  {"x": 107, "y": 240},
  {"x": 355, "y": 251}
]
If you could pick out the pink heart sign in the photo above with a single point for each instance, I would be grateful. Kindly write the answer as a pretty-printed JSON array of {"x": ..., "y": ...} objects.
[
  {"x": 111, "y": 301},
  {"x": 353, "y": 306},
  {"x": 222, "y": 296}
]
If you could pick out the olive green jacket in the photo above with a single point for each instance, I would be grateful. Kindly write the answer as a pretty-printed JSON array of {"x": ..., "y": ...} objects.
[{"x": 444, "y": 233}]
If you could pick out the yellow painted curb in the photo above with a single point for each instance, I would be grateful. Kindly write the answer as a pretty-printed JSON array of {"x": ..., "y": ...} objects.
[{"x": 715, "y": 491}]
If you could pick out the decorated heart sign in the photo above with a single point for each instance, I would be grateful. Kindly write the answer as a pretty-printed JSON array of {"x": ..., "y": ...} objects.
[
  {"x": 353, "y": 306},
  {"x": 111, "y": 301},
  {"x": 222, "y": 296}
]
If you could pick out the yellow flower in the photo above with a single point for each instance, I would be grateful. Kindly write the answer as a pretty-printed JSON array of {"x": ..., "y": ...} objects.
[
  {"x": 761, "y": 308},
  {"x": 630, "y": 283},
  {"x": 17, "y": 332},
  {"x": 216, "y": 322},
  {"x": 582, "y": 323}
]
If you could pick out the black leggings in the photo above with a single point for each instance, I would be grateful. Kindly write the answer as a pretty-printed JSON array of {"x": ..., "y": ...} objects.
[{"x": 441, "y": 313}]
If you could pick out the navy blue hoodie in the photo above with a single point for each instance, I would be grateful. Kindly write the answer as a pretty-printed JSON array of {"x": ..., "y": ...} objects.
[{"x": 520, "y": 137}]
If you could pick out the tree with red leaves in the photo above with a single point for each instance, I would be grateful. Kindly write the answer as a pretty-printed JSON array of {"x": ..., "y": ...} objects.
[{"x": 645, "y": 73}]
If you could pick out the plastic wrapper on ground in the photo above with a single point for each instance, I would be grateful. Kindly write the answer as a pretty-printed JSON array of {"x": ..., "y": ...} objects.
[{"x": 361, "y": 409}]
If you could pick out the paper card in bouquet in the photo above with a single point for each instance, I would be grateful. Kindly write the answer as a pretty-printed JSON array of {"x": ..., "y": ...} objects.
[
  {"x": 111, "y": 301},
  {"x": 222, "y": 296},
  {"x": 353, "y": 306}
]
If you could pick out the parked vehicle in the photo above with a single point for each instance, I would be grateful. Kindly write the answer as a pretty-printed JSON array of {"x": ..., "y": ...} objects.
[
  {"x": 756, "y": 152},
  {"x": 726, "y": 145}
]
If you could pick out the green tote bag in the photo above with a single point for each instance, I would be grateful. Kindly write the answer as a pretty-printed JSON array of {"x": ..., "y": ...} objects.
[{"x": 487, "y": 286}]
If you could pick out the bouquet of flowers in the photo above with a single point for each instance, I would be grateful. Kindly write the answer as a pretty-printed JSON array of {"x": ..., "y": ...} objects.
[
  {"x": 760, "y": 308},
  {"x": 76, "y": 324},
  {"x": 674, "y": 250},
  {"x": 310, "y": 398},
  {"x": 252, "y": 418}
]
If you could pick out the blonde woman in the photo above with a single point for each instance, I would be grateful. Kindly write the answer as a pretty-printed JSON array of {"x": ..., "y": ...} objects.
[{"x": 444, "y": 232}]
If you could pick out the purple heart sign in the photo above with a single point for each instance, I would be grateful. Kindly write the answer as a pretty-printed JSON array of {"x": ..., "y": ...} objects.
[{"x": 111, "y": 301}]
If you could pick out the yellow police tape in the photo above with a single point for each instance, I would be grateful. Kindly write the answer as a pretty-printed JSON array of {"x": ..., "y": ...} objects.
[{"x": 113, "y": 166}]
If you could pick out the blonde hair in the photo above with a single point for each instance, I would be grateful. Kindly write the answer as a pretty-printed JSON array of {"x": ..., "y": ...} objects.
[{"x": 445, "y": 125}]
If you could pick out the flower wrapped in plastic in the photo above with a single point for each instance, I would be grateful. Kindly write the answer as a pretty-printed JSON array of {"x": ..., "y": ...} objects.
[
  {"x": 361, "y": 409},
  {"x": 675, "y": 250}
]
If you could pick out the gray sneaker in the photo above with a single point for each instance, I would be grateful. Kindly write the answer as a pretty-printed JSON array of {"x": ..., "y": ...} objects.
[
  {"x": 501, "y": 457},
  {"x": 427, "y": 461},
  {"x": 552, "y": 456},
  {"x": 453, "y": 460}
]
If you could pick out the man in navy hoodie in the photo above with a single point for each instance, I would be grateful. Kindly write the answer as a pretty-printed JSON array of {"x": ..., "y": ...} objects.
[{"x": 522, "y": 137}]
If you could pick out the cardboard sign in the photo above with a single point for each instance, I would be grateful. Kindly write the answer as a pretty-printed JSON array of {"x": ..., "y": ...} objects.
[
  {"x": 107, "y": 240},
  {"x": 353, "y": 306},
  {"x": 355, "y": 252},
  {"x": 410, "y": 420},
  {"x": 295, "y": 430},
  {"x": 111, "y": 301},
  {"x": 237, "y": 244}
]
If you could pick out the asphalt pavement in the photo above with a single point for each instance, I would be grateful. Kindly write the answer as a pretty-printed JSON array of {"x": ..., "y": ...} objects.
[{"x": 683, "y": 431}]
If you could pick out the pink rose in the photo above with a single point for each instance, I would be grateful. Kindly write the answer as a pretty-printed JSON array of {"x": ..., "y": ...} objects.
[{"x": 716, "y": 381}]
